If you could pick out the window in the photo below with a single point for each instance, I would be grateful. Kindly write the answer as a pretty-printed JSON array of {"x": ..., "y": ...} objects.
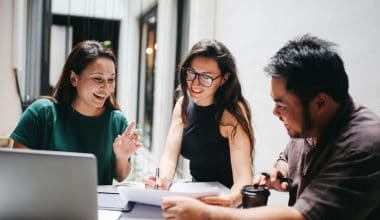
[
  {"x": 49, "y": 39},
  {"x": 148, "y": 47}
]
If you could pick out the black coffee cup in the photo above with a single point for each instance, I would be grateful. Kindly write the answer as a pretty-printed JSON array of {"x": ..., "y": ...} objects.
[{"x": 254, "y": 196}]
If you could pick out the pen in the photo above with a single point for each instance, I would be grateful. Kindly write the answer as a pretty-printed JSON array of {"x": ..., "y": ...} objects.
[
  {"x": 157, "y": 177},
  {"x": 281, "y": 178}
]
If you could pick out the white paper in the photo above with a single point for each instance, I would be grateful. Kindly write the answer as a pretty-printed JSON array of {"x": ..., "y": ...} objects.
[
  {"x": 108, "y": 215},
  {"x": 154, "y": 197},
  {"x": 195, "y": 186},
  {"x": 107, "y": 189}
]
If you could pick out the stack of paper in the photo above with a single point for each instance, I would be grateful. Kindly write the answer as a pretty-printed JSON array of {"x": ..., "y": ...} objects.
[{"x": 154, "y": 197}]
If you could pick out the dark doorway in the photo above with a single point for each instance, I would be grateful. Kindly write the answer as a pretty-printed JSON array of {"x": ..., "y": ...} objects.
[
  {"x": 67, "y": 31},
  {"x": 88, "y": 28}
]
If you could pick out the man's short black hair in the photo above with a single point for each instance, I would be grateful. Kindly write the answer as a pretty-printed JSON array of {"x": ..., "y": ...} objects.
[{"x": 310, "y": 66}]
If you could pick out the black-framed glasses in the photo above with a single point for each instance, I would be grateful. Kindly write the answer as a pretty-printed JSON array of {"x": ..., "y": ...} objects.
[{"x": 203, "y": 79}]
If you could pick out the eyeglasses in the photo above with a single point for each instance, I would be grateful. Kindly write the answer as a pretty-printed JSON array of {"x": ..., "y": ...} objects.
[{"x": 203, "y": 79}]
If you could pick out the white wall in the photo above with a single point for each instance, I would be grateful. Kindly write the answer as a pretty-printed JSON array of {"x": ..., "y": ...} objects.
[
  {"x": 10, "y": 110},
  {"x": 58, "y": 51},
  {"x": 202, "y": 20},
  {"x": 19, "y": 41},
  {"x": 255, "y": 29},
  {"x": 264, "y": 26}
]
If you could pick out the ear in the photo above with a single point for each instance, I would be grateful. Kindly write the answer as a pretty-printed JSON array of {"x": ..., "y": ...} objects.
[
  {"x": 321, "y": 102},
  {"x": 225, "y": 78},
  {"x": 73, "y": 78}
]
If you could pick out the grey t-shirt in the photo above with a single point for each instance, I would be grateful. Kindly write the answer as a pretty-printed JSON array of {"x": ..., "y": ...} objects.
[{"x": 339, "y": 178}]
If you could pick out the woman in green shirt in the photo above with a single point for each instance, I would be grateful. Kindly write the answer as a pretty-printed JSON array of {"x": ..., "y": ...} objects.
[{"x": 82, "y": 115}]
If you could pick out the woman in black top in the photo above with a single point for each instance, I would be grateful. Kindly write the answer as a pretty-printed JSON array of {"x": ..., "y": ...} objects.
[{"x": 211, "y": 124}]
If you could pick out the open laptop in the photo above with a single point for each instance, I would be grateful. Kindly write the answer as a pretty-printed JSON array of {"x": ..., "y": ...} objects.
[{"x": 47, "y": 185}]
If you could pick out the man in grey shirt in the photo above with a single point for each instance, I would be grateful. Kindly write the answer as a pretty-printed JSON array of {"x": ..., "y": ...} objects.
[{"x": 333, "y": 155}]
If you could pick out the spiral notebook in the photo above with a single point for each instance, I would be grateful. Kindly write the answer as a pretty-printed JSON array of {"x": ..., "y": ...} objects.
[{"x": 110, "y": 199}]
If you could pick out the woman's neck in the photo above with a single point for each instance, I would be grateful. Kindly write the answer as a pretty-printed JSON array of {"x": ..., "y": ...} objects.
[
  {"x": 203, "y": 103},
  {"x": 87, "y": 110}
]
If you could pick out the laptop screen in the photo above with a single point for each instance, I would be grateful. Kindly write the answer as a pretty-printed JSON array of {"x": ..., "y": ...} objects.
[{"x": 47, "y": 185}]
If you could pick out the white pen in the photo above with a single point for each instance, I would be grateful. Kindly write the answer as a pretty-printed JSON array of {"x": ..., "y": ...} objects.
[{"x": 157, "y": 177}]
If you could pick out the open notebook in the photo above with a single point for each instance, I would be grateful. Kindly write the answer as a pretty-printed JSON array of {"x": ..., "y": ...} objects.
[
  {"x": 110, "y": 199},
  {"x": 154, "y": 197}
]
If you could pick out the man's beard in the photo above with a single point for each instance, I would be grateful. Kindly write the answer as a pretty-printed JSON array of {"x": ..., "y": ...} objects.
[{"x": 307, "y": 124}]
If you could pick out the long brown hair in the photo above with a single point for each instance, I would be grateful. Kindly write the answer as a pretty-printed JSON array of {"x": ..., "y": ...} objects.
[
  {"x": 79, "y": 58},
  {"x": 228, "y": 96}
]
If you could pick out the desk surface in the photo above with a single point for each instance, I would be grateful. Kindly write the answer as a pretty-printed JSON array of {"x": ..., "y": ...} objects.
[{"x": 142, "y": 211}]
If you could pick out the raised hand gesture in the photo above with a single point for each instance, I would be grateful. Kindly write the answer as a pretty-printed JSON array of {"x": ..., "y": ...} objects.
[{"x": 125, "y": 145}]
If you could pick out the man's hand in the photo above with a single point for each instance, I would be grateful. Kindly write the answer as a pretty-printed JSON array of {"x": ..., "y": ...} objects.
[
  {"x": 217, "y": 200},
  {"x": 184, "y": 208},
  {"x": 272, "y": 180}
]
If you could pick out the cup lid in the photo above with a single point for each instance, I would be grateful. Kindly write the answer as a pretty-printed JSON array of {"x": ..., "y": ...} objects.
[{"x": 252, "y": 189}]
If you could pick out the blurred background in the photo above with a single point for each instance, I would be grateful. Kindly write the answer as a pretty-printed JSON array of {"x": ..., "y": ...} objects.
[{"x": 151, "y": 37}]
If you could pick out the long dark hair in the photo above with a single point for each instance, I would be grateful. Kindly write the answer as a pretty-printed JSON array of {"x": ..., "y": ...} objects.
[
  {"x": 79, "y": 58},
  {"x": 228, "y": 96}
]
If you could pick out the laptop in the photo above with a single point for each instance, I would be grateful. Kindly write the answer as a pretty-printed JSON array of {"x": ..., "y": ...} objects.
[{"x": 47, "y": 185}]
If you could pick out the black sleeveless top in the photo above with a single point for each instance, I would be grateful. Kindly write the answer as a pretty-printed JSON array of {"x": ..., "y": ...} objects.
[{"x": 203, "y": 145}]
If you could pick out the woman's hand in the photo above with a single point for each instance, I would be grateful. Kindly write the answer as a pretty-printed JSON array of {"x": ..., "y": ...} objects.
[
  {"x": 125, "y": 145},
  {"x": 150, "y": 182}
]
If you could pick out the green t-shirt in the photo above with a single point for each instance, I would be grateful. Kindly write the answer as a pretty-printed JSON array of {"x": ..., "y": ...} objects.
[{"x": 48, "y": 126}]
